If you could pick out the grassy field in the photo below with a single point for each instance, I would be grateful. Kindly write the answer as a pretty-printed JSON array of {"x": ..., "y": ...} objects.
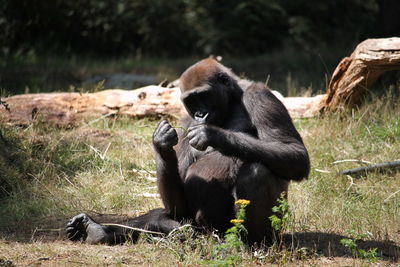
[{"x": 105, "y": 168}]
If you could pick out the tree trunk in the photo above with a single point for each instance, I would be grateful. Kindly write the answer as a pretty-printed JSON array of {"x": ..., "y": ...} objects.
[{"x": 355, "y": 74}]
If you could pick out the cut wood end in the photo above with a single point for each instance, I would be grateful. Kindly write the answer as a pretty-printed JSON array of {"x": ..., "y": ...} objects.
[{"x": 355, "y": 74}]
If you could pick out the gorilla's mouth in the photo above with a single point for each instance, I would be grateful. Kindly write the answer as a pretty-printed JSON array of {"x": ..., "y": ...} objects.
[{"x": 200, "y": 116}]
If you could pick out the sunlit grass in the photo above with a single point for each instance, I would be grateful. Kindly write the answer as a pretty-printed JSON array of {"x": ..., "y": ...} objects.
[{"x": 331, "y": 202}]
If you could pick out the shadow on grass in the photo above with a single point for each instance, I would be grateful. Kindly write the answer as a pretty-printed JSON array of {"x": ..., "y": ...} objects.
[
  {"x": 328, "y": 245},
  {"x": 32, "y": 167}
]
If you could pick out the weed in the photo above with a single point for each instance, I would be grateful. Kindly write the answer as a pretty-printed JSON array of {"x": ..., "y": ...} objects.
[
  {"x": 351, "y": 244},
  {"x": 282, "y": 220},
  {"x": 283, "y": 215},
  {"x": 228, "y": 253}
]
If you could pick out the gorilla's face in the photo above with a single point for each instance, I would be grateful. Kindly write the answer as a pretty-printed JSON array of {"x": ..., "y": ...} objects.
[{"x": 207, "y": 104}]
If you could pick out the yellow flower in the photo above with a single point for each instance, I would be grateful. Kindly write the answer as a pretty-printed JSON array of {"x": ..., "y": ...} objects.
[
  {"x": 244, "y": 202},
  {"x": 237, "y": 221}
]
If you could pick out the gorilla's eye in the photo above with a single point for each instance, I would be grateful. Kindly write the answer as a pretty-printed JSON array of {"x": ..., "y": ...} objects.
[{"x": 200, "y": 114}]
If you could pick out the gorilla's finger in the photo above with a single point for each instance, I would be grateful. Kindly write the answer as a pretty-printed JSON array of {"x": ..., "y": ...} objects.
[
  {"x": 191, "y": 135},
  {"x": 195, "y": 127},
  {"x": 193, "y": 140},
  {"x": 171, "y": 130},
  {"x": 161, "y": 123},
  {"x": 160, "y": 126},
  {"x": 164, "y": 127}
]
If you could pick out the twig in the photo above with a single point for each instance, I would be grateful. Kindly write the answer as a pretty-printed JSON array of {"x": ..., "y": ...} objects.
[
  {"x": 391, "y": 195},
  {"x": 102, "y": 117},
  {"x": 33, "y": 234},
  {"x": 322, "y": 171},
  {"x": 266, "y": 82},
  {"x": 179, "y": 228},
  {"x": 351, "y": 182},
  {"x": 352, "y": 160},
  {"x": 149, "y": 195},
  {"x": 143, "y": 171},
  {"x": 391, "y": 164},
  {"x": 133, "y": 228},
  {"x": 182, "y": 128},
  {"x": 105, "y": 151},
  {"x": 173, "y": 231},
  {"x": 151, "y": 187},
  {"x": 48, "y": 229},
  {"x": 149, "y": 178},
  {"x": 97, "y": 152}
]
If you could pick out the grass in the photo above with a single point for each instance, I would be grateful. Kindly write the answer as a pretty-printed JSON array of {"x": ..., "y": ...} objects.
[
  {"x": 49, "y": 174},
  {"x": 370, "y": 134}
]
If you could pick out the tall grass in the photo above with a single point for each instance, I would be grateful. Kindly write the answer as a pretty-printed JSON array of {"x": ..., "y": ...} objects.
[{"x": 329, "y": 202}]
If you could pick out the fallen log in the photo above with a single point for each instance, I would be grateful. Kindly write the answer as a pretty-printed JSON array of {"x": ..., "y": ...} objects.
[
  {"x": 356, "y": 74},
  {"x": 71, "y": 108}
]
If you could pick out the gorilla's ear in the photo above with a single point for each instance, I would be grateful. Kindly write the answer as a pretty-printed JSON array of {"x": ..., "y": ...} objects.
[{"x": 223, "y": 78}]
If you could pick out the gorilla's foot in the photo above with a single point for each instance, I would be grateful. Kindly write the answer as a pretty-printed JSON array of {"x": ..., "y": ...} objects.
[{"x": 83, "y": 228}]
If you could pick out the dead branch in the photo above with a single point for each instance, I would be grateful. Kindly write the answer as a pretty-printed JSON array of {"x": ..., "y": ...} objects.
[{"x": 380, "y": 166}]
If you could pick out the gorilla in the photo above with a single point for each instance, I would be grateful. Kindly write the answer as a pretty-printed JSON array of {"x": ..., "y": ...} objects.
[{"x": 240, "y": 143}]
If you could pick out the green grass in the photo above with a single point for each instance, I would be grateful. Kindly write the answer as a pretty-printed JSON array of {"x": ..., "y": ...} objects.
[{"x": 49, "y": 174}]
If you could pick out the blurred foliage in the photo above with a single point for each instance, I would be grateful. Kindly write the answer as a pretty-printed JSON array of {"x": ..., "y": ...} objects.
[{"x": 186, "y": 27}]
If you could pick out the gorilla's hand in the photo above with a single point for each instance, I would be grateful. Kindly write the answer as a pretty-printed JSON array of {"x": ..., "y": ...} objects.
[
  {"x": 202, "y": 136},
  {"x": 164, "y": 137}
]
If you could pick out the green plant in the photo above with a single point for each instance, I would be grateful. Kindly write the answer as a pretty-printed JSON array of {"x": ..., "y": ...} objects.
[
  {"x": 228, "y": 253},
  {"x": 351, "y": 244},
  {"x": 280, "y": 220},
  {"x": 282, "y": 214}
]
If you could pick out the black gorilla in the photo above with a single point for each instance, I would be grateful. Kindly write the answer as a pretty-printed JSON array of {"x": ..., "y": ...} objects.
[{"x": 240, "y": 144}]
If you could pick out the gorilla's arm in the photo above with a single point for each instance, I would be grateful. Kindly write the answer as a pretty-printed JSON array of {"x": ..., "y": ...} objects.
[
  {"x": 168, "y": 179},
  {"x": 277, "y": 145}
]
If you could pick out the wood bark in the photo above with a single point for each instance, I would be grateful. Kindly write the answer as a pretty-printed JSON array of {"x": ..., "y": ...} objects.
[
  {"x": 68, "y": 109},
  {"x": 355, "y": 74}
]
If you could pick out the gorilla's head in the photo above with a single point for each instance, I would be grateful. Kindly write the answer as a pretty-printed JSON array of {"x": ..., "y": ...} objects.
[{"x": 207, "y": 91}]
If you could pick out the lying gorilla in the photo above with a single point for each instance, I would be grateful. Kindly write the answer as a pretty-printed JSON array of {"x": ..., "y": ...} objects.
[{"x": 240, "y": 144}]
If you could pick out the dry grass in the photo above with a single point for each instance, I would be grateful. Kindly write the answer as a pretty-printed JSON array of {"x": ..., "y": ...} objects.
[
  {"x": 62, "y": 253},
  {"x": 49, "y": 174}
]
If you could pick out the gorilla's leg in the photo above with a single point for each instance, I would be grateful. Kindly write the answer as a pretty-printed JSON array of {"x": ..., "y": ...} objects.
[
  {"x": 84, "y": 228},
  {"x": 259, "y": 185}
]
